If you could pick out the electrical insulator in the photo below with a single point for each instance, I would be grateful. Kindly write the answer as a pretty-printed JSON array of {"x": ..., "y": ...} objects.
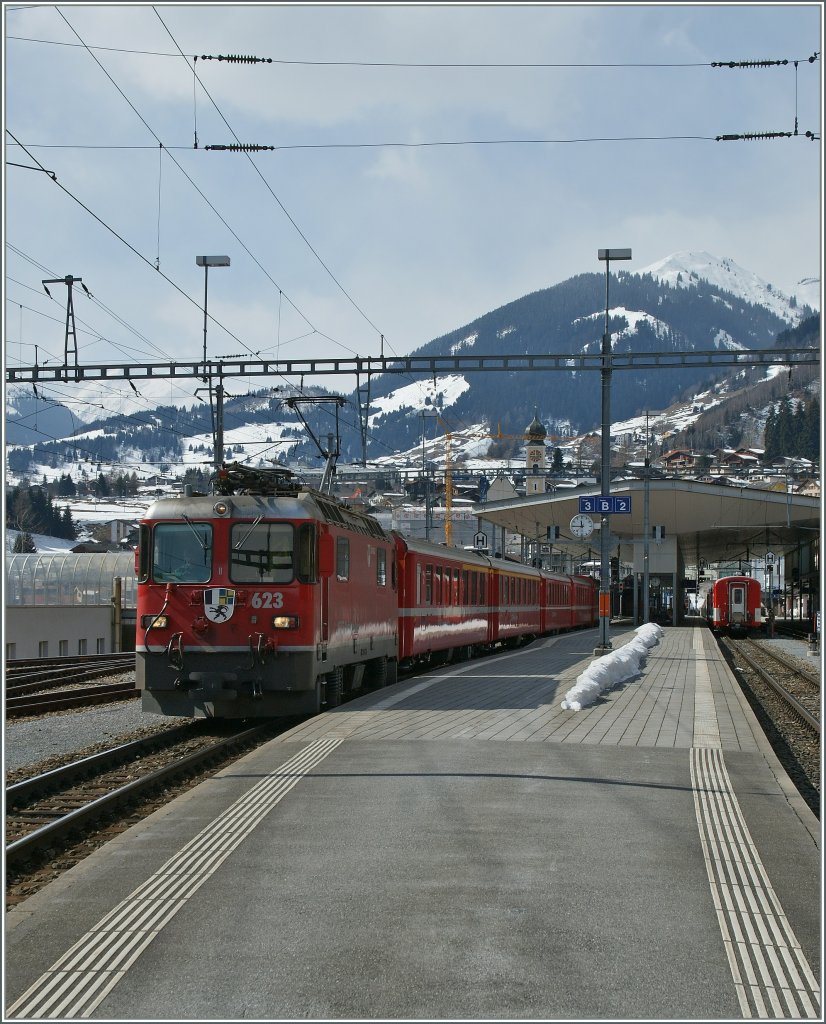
[
  {"x": 235, "y": 58},
  {"x": 245, "y": 147},
  {"x": 747, "y": 63},
  {"x": 751, "y": 136}
]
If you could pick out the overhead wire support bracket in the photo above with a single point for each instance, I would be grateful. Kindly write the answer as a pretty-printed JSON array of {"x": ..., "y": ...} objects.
[
  {"x": 363, "y": 393},
  {"x": 331, "y": 452}
]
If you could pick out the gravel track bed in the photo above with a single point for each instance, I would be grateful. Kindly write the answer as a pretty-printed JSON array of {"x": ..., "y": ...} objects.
[
  {"x": 796, "y": 746},
  {"x": 39, "y": 743}
]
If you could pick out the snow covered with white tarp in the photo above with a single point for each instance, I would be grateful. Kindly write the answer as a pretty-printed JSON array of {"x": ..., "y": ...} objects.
[{"x": 618, "y": 666}]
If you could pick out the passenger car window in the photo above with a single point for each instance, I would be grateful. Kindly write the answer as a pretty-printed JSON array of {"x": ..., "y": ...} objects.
[{"x": 343, "y": 558}]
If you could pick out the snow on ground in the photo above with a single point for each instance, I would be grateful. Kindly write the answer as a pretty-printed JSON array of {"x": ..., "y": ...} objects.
[
  {"x": 250, "y": 441},
  {"x": 632, "y": 317},
  {"x": 41, "y": 541},
  {"x": 414, "y": 396},
  {"x": 687, "y": 269},
  {"x": 467, "y": 342}
]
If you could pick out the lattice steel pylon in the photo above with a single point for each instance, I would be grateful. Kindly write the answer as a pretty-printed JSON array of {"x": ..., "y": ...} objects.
[{"x": 71, "y": 333}]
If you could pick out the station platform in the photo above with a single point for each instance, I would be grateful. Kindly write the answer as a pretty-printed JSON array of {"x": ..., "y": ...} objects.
[{"x": 459, "y": 847}]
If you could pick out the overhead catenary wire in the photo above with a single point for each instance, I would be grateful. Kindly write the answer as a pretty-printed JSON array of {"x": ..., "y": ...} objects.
[
  {"x": 269, "y": 188},
  {"x": 352, "y": 62},
  {"x": 426, "y": 65},
  {"x": 278, "y": 201},
  {"x": 137, "y": 252},
  {"x": 212, "y": 207},
  {"x": 229, "y": 415}
]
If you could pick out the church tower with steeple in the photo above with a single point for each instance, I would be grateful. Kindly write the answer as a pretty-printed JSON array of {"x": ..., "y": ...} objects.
[{"x": 535, "y": 461}]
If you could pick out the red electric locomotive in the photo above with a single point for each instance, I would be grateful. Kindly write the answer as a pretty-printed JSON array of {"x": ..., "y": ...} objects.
[
  {"x": 270, "y": 598},
  {"x": 267, "y": 599},
  {"x": 734, "y": 604}
]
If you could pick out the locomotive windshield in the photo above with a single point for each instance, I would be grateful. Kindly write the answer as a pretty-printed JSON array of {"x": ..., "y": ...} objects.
[
  {"x": 261, "y": 553},
  {"x": 182, "y": 553}
]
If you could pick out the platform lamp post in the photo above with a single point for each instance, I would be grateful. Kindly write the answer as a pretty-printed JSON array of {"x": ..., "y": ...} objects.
[
  {"x": 217, "y": 415},
  {"x": 604, "y": 644}
]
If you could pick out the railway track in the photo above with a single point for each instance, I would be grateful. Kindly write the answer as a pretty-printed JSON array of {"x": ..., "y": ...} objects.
[
  {"x": 55, "y": 819},
  {"x": 59, "y": 814},
  {"x": 798, "y": 688},
  {"x": 19, "y": 706},
  {"x": 786, "y": 698},
  {"x": 44, "y": 685},
  {"x": 41, "y": 672}
]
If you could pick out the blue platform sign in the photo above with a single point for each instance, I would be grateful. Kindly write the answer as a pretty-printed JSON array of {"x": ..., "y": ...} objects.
[{"x": 605, "y": 504}]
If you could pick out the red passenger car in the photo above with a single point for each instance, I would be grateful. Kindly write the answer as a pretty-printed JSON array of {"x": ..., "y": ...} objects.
[
  {"x": 444, "y": 598},
  {"x": 734, "y": 604}
]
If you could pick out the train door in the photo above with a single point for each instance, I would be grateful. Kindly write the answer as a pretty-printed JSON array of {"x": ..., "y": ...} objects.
[
  {"x": 737, "y": 604},
  {"x": 326, "y": 564}
]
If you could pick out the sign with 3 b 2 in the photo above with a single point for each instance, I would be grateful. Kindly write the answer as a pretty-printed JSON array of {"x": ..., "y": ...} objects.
[{"x": 604, "y": 504}]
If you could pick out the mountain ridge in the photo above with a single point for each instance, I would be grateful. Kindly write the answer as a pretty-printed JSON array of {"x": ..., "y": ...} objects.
[{"x": 667, "y": 306}]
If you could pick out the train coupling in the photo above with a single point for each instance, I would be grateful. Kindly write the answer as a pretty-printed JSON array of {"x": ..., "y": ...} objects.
[{"x": 209, "y": 685}]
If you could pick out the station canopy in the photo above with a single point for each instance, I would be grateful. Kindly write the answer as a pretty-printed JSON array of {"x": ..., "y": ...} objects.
[{"x": 711, "y": 522}]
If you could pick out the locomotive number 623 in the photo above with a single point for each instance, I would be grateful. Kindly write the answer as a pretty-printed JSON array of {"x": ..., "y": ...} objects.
[{"x": 267, "y": 599}]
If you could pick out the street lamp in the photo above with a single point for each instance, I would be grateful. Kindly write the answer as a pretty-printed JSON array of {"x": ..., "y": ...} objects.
[
  {"x": 605, "y": 486},
  {"x": 206, "y": 262},
  {"x": 217, "y": 428}
]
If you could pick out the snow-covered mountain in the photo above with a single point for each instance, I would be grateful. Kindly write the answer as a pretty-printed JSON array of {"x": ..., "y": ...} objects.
[
  {"x": 686, "y": 302},
  {"x": 688, "y": 269}
]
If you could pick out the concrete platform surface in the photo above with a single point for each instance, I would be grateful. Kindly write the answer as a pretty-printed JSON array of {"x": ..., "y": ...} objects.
[{"x": 459, "y": 847}]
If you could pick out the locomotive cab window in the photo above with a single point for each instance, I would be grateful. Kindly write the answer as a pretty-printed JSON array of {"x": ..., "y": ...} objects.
[
  {"x": 144, "y": 547},
  {"x": 307, "y": 551},
  {"x": 261, "y": 553},
  {"x": 182, "y": 552}
]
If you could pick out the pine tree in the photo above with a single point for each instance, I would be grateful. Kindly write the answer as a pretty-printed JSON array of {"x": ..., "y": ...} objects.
[
  {"x": 68, "y": 528},
  {"x": 812, "y": 431},
  {"x": 770, "y": 436},
  {"x": 23, "y": 543}
]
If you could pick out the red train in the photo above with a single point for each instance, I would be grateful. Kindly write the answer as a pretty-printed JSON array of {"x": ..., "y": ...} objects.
[
  {"x": 734, "y": 605},
  {"x": 270, "y": 598}
]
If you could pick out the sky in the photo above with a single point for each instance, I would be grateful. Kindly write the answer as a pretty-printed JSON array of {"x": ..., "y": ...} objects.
[{"x": 527, "y": 137}]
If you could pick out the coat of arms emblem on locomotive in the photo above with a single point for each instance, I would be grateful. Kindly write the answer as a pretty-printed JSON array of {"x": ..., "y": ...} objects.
[{"x": 219, "y": 604}]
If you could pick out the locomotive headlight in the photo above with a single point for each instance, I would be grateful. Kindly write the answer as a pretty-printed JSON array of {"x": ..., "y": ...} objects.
[
  {"x": 154, "y": 621},
  {"x": 220, "y": 508},
  {"x": 285, "y": 622}
]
